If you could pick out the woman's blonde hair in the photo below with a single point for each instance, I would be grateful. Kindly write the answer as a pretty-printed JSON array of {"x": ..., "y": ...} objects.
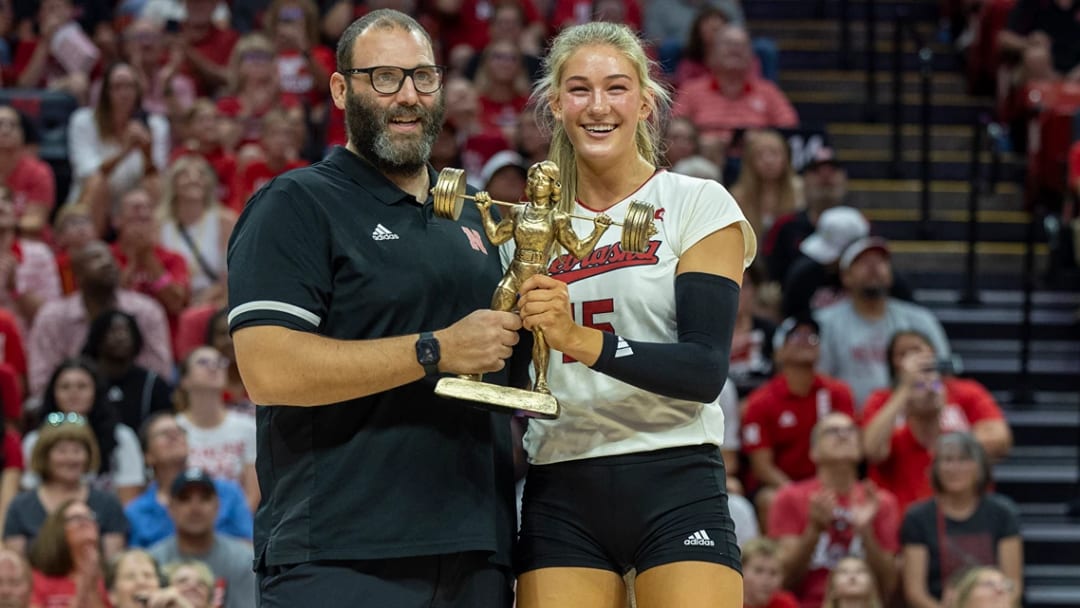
[
  {"x": 247, "y": 43},
  {"x": 113, "y": 568},
  {"x": 967, "y": 581},
  {"x": 831, "y": 601},
  {"x": 623, "y": 40},
  {"x": 50, "y": 435},
  {"x": 167, "y": 208},
  {"x": 747, "y": 188},
  {"x": 200, "y": 568}
]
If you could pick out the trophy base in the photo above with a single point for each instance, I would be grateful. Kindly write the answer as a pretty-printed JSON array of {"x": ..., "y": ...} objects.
[{"x": 529, "y": 403}]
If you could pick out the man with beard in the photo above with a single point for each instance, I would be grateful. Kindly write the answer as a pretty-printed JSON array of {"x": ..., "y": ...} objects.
[
  {"x": 348, "y": 298},
  {"x": 855, "y": 332}
]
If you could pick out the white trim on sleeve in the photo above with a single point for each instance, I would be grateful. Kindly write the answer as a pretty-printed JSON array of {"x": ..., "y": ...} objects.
[{"x": 284, "y": 307}]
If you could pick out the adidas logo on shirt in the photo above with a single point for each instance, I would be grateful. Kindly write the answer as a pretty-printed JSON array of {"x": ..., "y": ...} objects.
[
  {"x": 699, "y": 538},
  {"x": 382, "y": 233}
]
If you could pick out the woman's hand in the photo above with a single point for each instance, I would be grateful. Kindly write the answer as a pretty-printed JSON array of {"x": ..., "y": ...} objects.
[{"x": 544, "y": 303}]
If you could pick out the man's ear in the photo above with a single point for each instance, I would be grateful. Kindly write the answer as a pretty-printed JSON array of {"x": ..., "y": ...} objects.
[{"x": 338, "y": 89}]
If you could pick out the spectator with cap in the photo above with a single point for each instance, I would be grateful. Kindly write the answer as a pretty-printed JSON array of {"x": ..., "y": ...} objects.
[
  {"x": 29, "y": 179},
  {"x": 193, "y": 507},
  {"x": 732, "y": 96},
  {"x": 901, "y": 423},
  {"x": 166, "y": 451},
  {"x": 821, "y": 520},
  {"x": 824, "y": 187},
  {"x": 504, "y": 176},
  {"x": 856, "y": 331},
  {"x": 15, "y": 580},
  {"x": 781, "y": 414},
  {"x": 813, "y": 281},
  {"x": 60, "y": 328}
]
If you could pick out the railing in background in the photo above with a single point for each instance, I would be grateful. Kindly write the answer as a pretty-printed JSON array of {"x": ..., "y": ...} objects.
[
  {"x": 905, "y": 26},
  {"x": 985, "y": 135}
]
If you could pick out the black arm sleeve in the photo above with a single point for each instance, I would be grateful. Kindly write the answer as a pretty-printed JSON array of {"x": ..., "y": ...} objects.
[{"x": 695, "y": 367}]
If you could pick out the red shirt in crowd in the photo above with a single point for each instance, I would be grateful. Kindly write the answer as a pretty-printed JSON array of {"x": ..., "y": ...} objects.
[
  {"x": 295, "y": 76},
  {"x": 217, "y": 46},
  {"x": 255, "y": 175},
  {"x": 1074, "y": 166},
  {"x": 780, "y": 599},
  {"x": 13, "y": 457},
  {"x": 251, "y": 122},
  {"x": 469, "y": 26},
  {"x": 11, "y": 395},
  {"x": 760, "y": 104},
  {"x": 59, "y": 591},
  {"x": 904, "y": 472},
  {"x": 790, "y": 514},
  {"x": 778, "y": 419},
  {"x": 12, "y": 348},
  {"x": 498, "y": 115},
  {"x": 31, "y": 183}
]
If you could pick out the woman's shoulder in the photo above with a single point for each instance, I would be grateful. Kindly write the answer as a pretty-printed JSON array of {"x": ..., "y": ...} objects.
[{"x": 1001, "y": 504}]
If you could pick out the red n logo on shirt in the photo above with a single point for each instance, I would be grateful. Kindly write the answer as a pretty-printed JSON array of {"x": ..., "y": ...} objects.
[{"x": 475, "y": 240}]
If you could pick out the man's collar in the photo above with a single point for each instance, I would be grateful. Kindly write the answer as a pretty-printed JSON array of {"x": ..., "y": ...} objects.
[{"x": 371, "y": 179}]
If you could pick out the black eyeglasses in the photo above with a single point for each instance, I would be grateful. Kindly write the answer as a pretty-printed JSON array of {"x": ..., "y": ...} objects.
[
  {"x": 387, "y": 80},
  {"x": 58, "y": 418}
]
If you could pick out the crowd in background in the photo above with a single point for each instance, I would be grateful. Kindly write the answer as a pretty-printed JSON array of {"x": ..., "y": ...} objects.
[{"x": 859, "y": 464}]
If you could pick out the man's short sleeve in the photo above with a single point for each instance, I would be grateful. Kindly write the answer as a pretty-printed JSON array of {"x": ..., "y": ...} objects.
[
  {"x": 755, "y": 434},
  {"x": 279, "y": 262},
  {"x": 917, "y": 528}
]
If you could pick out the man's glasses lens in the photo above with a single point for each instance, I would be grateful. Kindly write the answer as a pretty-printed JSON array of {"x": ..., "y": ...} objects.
[{"x": 388, "y": 79}]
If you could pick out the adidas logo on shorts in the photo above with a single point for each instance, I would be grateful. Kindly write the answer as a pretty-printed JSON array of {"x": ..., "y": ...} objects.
[{"x": 699, "y": 538}]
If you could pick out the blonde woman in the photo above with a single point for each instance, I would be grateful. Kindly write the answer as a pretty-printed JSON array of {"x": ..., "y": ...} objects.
[
  {"x": 196, "y": 225},
  {"x": 767, "y": 187},
  {"x": 984, "y": 587},
  {"x": 851, "y": 585},
  {"x": 630, "y": 475}
]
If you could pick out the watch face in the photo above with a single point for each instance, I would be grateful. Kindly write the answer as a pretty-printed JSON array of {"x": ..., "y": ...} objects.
[{"x": 427, "y": 353}]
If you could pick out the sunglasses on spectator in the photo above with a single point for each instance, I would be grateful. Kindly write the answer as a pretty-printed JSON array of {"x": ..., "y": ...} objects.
[
  {"x": 805, "y": 336},
  {"x": 838, "y": 431},
  {"x": 81, "y": 518},
  {"x": 291, "y": 13},
  {"x": 256, "y": 56},
  {"x": 211, "y": 362},
  {"x": 58, "y": 418},
  {"x": 175, "y": 432}
]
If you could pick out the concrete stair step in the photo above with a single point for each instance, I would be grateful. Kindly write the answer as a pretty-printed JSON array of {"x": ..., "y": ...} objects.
[
  {"x": 879, "y": 136},
  {"x": 948, "y": 199}
]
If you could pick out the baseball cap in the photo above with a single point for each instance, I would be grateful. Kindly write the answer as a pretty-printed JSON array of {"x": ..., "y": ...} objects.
[
  {"x": 822, "y": 156},
  {"x": 789, "y": 325},
  {"x": 837, "y": 228},
  {"x": 192, "y": 477},
  {"x": 501, "y": 160},
  {"x": 860, "y": 247}
]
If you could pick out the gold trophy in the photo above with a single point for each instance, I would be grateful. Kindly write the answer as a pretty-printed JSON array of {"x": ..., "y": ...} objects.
[{"x": 537, "y": 227}]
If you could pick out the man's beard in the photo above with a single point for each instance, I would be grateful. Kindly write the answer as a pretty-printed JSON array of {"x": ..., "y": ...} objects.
[{"x": 368, "y": 126}]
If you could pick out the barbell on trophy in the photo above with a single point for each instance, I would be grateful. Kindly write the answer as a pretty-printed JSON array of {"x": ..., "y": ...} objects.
[{"x": 449, "y": 197}]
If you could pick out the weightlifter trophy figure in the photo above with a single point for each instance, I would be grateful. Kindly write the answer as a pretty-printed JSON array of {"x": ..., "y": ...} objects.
[{"x": 536, "y": 226}]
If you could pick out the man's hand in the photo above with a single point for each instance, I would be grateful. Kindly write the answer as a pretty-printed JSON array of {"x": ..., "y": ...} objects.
[
  {"x": 479, "y": 343},
  {"x": 863, "y": 514}
]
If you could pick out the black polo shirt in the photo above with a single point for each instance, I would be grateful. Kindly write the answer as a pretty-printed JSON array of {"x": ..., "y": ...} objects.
[{"x": 338, "y": 250}]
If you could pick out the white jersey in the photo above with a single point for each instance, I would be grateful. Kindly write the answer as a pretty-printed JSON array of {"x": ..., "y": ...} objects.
[{"x": 632, "y": 295}]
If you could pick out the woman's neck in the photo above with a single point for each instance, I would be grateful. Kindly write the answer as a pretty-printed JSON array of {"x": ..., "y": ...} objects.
[
  {"x": 59, "y": 490},
  {"x": 958, "y": 505},
  {"x": 206, "y": 409},
  {"x": 602, "y": 187},
  {"x": 188, "y": 211},
  {"x": 851, "y": 602}
]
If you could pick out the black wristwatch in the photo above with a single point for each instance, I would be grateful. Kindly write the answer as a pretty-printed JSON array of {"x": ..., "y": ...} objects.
[{"x": 427, "y": 352}]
